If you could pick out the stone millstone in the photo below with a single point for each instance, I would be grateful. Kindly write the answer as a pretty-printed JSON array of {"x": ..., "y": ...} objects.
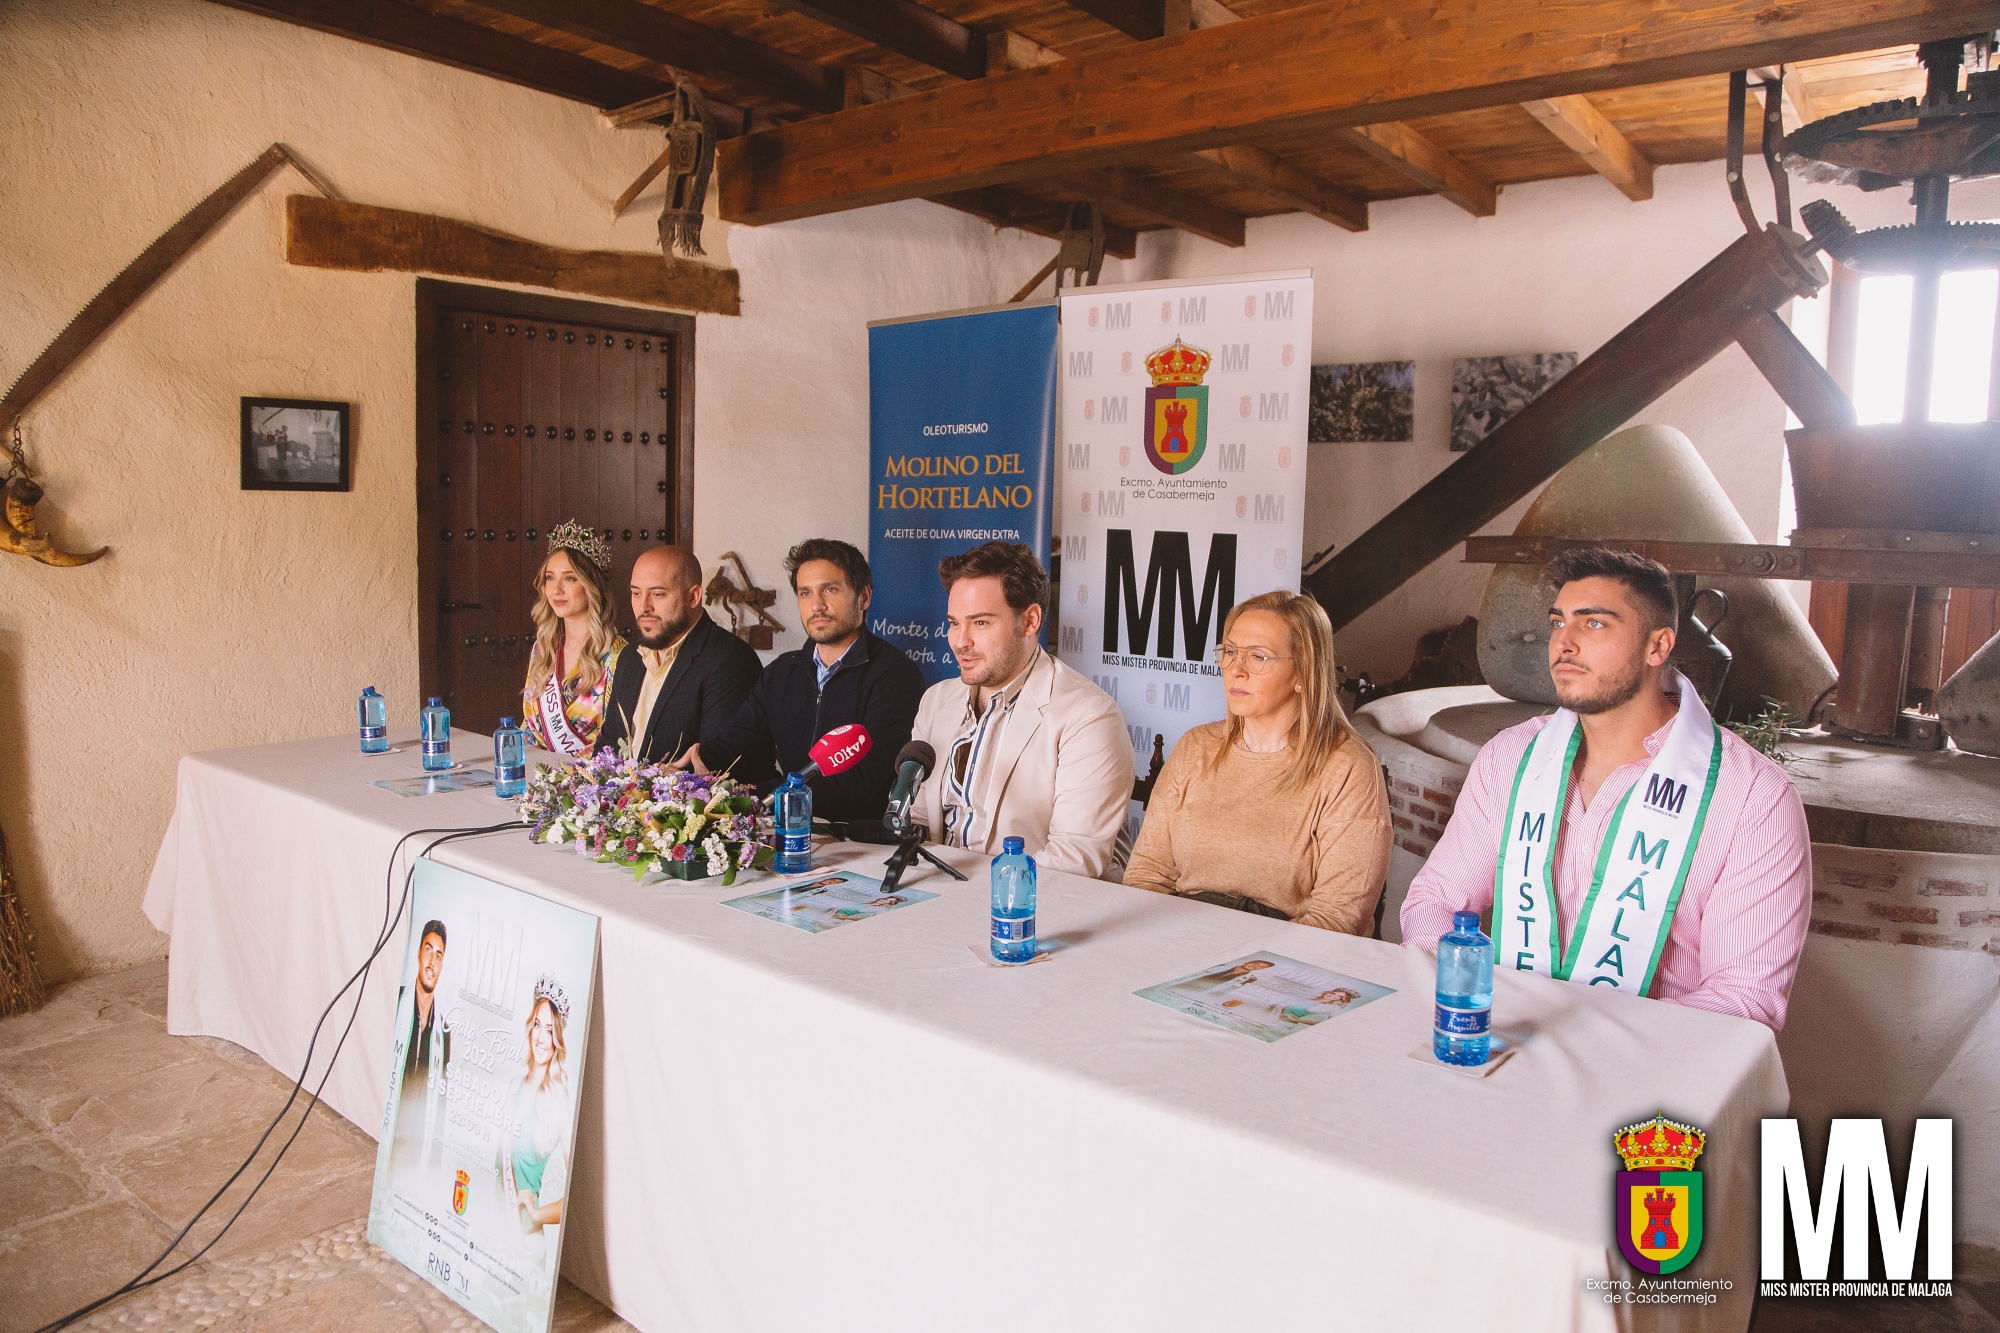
[
  {"x": 1969, "y": 703},
  {"x": 1648, "y": 483}
]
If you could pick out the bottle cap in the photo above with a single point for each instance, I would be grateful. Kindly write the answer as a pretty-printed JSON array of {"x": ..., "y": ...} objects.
[
  {"x": 506, "y": 724},
  {"x": 434, "y": 702},
  {"x": 371, "y": 690},
  {"x": 1012, "y": 846},
  {"x": 1465, "y": 921}
]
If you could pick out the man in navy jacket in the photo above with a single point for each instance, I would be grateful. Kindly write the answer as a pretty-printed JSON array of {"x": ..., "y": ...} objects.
[{"x": 845, "y": 674}]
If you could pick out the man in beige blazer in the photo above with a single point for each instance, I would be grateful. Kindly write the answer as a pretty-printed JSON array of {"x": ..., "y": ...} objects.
[{"x": 1026, "y": 747}]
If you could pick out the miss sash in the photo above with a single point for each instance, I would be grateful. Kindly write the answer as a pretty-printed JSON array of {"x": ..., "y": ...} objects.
[
  {"x": 554, "y": 719},
  {"x": 1648, "y": 848}
]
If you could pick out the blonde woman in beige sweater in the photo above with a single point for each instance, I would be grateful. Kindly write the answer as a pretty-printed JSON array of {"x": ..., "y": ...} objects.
[{"x": 1277, "y": 809}]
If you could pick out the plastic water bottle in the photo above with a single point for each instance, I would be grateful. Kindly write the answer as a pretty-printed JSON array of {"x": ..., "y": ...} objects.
[
  {"x": 437, "y": 736},
  {"x": 374, "y": 711},
  {"x": 1465, "y": 993},
  {"x": 1013, "y": 903},
  {"x": 510, "y": 760},
  {"x": 792, "y": 812}
]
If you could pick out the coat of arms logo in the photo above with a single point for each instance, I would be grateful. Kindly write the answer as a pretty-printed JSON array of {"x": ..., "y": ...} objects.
[
  {"x": 459, "y": 1181},
  {"x": 1176, "y": 418},
  {"x": 1656, "y": 1206}
]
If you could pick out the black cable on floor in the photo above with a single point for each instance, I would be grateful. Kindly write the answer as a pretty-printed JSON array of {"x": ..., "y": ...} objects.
[{"x": 358, "y": 983}]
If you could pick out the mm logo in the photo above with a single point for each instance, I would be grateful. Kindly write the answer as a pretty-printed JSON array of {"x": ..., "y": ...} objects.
[
  {"x": 1277, "y": 305},
  {"x": 1072, "y": 550},
  {"x": 1169, "y": 579},
  {"x": 1079, "y": 454},
  {"x": 1111, "y": 504},
  {"x": 1118, "y": 316},
  {"x": 1142, "y": 737},
  {"x": 1233, "y": 357},
  {"x": 1663, "y": 793},
  {"x": 1268, "y": 509},
  {"x": 1856, "y": 1177},
  {"x": 1109, "y": 684},
  {"x": 1081, "y": 363},
  {"x": 1072, "y": 639},
  {"x": 1274, "y": 407},
  {"x": 1177, "y": 697},
  {"x": 1234, "y": 457},
  {"x": 1194, "y": 310},
  {"x": 1114, "y": 410}
]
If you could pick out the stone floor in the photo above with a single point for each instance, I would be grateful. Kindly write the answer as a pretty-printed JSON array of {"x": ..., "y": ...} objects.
[{"x": 112, "y": 1133}]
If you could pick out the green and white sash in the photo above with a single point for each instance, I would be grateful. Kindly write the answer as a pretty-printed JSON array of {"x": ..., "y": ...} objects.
[{"x": 1647, "y": 850}]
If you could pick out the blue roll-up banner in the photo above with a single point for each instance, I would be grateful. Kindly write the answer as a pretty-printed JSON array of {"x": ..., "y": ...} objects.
[{"x": 962, "y": 428}]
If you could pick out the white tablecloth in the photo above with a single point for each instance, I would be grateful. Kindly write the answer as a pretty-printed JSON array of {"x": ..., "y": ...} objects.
[{"x": 869, "y": 1129}]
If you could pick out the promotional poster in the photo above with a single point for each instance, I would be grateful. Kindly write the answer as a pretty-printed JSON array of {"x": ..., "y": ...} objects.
[
  {"x": 961, "y": 428},
  {"x": 1265, "y": 995},
  {"x": 1184, "y": 412},
  {"x": 479, "y": 1129},
  {"x": 824, "y": 902}
]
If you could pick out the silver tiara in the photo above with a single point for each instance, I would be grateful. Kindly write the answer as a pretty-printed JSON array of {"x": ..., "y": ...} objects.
[
  {"x": 573, "y": 536},
  {"x": 548, "y": 988}
]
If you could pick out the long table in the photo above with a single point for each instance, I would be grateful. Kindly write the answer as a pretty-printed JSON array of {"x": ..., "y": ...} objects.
[{"x": 870, "y": 1129}]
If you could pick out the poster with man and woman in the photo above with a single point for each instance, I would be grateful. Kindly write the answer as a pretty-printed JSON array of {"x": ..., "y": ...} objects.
[
  {"x": 478, "y": 1133},
  {"x": 1265, "y": 995}
]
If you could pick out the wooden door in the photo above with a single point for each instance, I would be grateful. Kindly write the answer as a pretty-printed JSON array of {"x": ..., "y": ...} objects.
[{"x": 532, "y": 411}]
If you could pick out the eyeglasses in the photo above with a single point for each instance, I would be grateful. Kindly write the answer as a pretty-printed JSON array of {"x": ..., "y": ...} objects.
[{"x": 1255, "y": 660}]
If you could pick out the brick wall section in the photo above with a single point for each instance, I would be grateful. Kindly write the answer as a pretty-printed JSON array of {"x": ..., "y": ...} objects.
[
  {"x": 1422, "y": 791},
  {"x": 1931, "y": 900}
]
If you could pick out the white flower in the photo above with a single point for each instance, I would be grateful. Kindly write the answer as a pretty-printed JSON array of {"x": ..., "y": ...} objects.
[{"x": 718, "y": 855}]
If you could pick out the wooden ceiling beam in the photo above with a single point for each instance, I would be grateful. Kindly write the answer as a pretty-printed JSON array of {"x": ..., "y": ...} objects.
[
  {"x": 1397, "y": 145},
  {"x": 1319, "y": 67},
  {"x": 1141, "y": 19},
  {"x": 1307, "y": 192},
  {"x": 1038, "y": 216},
  {"x": 1597, "y": 141},
  {"x": 1176, "y": 209},
  {"x": 905, "y": 27},
  {"x": 640, "y": 29},
  {"x": 474, "y": 48}
]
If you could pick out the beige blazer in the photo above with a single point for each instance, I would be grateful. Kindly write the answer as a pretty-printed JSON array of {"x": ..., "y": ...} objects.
[{"x": 1062, "y": 777}]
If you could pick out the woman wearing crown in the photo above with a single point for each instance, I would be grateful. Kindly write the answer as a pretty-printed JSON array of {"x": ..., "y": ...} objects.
[
  {"x": 534, "y": 1143},
  {"x": 576, "y": 644}
]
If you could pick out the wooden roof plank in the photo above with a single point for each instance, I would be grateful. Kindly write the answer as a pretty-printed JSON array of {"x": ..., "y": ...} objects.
[{"x": 1328, "y": 65}]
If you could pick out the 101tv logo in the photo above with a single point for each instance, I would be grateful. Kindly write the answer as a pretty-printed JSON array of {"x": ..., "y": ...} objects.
[{"x": 1855, "y": 1182}]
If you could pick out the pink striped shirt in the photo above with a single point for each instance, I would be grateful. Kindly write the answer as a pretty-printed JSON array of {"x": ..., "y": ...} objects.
[{"x": 1734, "y": 943}]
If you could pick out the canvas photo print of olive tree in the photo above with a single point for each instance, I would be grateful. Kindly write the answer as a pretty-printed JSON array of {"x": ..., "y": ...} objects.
[
  {"x": 1365, "y": 401},
  {"x": 1486, "y": 391}
]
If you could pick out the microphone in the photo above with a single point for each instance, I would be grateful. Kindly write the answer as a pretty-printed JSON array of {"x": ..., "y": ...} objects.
[
  {"x": 838, "y": 750},
  {"x": 913, "y": 764}
]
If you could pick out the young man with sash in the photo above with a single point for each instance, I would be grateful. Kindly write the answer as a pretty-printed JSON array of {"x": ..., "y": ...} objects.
[{"x": 1627, "y": 841}]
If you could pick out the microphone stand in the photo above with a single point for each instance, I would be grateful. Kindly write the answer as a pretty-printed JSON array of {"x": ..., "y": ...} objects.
[{"x": 907, "y": 852}]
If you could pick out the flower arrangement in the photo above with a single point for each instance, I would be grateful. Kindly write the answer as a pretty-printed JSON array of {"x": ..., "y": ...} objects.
[{"x": 632, "y": 812}]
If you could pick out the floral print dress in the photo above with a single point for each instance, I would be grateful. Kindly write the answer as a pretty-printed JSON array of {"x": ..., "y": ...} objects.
[{"x": 584, "y": 710}]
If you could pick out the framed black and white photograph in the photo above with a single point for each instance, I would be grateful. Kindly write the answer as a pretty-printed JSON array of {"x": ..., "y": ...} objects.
[{"x": 294, "y": 444}]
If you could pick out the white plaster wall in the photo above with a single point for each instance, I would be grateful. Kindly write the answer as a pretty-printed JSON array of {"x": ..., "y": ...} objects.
[
  {"x": 1561, "y": 266},
  {"x": 225, "y": 617}
]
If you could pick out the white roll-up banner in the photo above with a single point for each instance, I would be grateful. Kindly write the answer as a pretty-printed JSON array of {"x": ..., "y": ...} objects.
[{"x": 1181, "y": 489}]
